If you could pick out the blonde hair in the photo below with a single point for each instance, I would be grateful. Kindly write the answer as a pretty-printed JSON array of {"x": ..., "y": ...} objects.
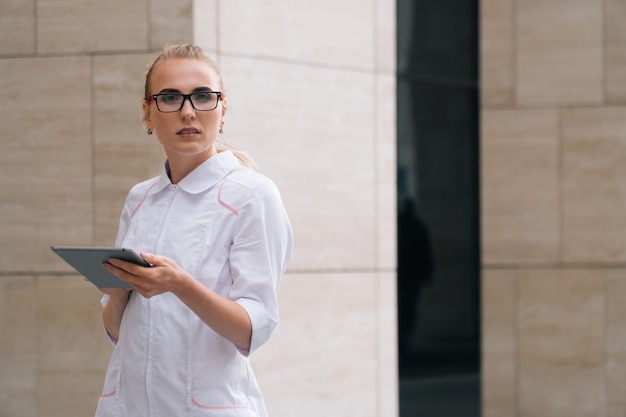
[{"x": 190, "y": 51}]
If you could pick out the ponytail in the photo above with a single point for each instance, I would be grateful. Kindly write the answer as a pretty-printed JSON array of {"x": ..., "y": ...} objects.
[{"x": 245, "y": 159}]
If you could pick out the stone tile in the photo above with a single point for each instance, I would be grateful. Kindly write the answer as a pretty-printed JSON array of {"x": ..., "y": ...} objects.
[
  {"x": 322, "y": 359},
  {"x": 560, "y": 62},
  {"x": 72, "y": 347},
  {"x": 311, "y": 130},
  {"x": 385, "y": 151},
  {"x": 499, "y": 343},
  {"x": 77, "y": 25},
  {"x": 17, "y": 27},
  {"x": 562, "y": 342},
  {"x": 18, "y": 346},
  {"x": 46, "y": 153},
  {"x": 615, "y": 51},
  {"x": 205, "y": 26},
  {"x": 520, "y": 186},
  {"x": 615, "y": 343},
  {"x": 387, "y": 361},
  {"x": 321, "y": 32},
  {"x": 172, "y": 21},
  {"x": 118, "y": 88},
  {"x": 386, "y": 28},
  {"x": 594, "y": 194},
  {"x": 124, "y": 154},
  {"x": 497, "y": 85},
  {"x": 115, "y": 173}
]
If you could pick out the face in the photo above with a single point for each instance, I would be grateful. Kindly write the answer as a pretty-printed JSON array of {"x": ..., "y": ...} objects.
[{"x": 187, "y": 132}]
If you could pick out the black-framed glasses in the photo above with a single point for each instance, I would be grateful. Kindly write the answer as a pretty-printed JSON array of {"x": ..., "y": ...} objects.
[{"x": 173, "y": 102}]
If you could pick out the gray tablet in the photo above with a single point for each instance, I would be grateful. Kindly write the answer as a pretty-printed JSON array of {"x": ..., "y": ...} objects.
[{"x": 88, "y": 261}]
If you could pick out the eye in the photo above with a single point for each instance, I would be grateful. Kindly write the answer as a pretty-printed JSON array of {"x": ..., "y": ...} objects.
[
  {"x": 204, "y": 97},
  {"x": 170, "y": 98}
]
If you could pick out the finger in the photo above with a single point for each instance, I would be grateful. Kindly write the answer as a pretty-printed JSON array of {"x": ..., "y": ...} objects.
[
  {"x": 152, "y": 259},
  {"x": 120, "y": 273},
  {"x": 126, "y": 266},
  {"x": 112, "y": 261},
  {"x": 116, "y": 292}
]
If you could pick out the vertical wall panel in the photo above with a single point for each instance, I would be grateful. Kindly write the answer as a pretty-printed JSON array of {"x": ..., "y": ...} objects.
[
  {"x": 312, "y": 100},
  {"x": 567, "y": 63}
]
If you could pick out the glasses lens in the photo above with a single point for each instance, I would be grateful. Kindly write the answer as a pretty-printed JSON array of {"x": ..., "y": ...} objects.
[
  {"x": 204, "y": 101},
  {"x": 169, "y": 102}
]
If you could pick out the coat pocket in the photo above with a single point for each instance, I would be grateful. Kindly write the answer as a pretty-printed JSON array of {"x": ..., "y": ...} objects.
[
  {"x": 200, "y": 409},
  {"x": 108, "y": 403}
]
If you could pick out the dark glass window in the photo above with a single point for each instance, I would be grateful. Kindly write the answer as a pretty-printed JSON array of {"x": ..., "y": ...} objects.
[{"x": 438, "y": 208}]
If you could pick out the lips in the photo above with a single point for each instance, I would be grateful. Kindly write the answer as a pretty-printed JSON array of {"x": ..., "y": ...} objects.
[{"x": 187, "y": 131}]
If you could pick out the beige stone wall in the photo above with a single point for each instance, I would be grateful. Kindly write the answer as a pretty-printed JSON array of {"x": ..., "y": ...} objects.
[
  {"x": 553, "y": 167},
  {"x": 311, "y": 90}
]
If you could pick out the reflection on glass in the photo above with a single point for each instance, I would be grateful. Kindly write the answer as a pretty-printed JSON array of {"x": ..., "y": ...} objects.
[{"x": 438, "y": 208}]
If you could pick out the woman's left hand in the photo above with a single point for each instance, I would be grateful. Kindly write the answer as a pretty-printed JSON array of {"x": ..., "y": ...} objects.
[{"x": 165, "y": 275}]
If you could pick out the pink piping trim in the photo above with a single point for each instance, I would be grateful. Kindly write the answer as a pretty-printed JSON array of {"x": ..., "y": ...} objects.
[
  {"x": 142, "y": 200},
  {"x": 219, "y": 199},
  {"x": 218, "y": 407},
  {"x": 110, "y": 394}
]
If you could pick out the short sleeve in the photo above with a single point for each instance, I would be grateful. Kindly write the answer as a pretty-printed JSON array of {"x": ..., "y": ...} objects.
[{"x": 262, "y": 248}]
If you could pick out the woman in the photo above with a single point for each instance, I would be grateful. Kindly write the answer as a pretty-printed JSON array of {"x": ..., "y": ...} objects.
[{"x": 219, "y": 241}]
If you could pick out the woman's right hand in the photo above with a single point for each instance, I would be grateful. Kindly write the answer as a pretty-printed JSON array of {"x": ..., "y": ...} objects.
[
  {"x": 118, "y": 293},
  {"x": 114, "y": 309}
]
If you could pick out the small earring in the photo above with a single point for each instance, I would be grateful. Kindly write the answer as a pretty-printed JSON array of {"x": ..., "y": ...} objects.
[
  {"x": 221, "y": 129},
  {"x": 149, "y": 131}
]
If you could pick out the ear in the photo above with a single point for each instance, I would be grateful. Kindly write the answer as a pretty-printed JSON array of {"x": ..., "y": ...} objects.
[
  {"x": 146, "y": 115},
  {"x": 224, "y": 106}
]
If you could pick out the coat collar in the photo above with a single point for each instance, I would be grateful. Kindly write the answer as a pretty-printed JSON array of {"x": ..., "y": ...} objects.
[{"x": 206, "y": 175}]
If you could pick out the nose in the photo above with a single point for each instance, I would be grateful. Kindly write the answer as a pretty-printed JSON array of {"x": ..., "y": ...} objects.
[{"x": 187, "y": 110}]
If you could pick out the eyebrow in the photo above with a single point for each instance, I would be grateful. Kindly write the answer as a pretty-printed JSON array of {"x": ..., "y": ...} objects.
[{"x": 175, "y": 91}]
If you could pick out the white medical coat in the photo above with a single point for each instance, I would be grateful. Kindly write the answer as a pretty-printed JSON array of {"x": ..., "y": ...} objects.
[{"x": 226, "y": 226}]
